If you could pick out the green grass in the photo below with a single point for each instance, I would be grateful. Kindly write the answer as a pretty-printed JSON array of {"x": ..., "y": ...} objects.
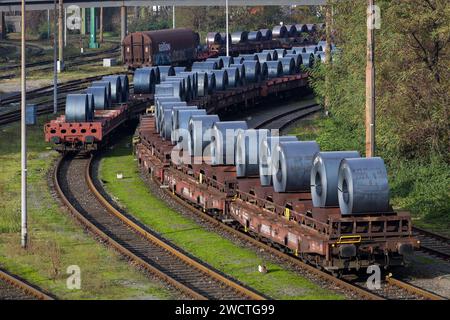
[
  {"x": 56, "y": 241},
  {"x": 421, "y": 188},
  {"x": 240, "y": 263}
]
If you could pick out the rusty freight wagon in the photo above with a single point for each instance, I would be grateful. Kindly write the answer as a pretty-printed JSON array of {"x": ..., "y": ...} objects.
[{"x": 160, "y": 47}]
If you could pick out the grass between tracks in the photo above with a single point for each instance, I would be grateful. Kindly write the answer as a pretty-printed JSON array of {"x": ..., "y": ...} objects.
[
  {"x": 56, "y": 241},
  {"x": 221, "y": 253},
  {"x": 421, "y": 188}
]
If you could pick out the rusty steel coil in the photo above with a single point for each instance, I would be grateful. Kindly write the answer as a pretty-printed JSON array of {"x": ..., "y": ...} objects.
[{"x": 223, "y": 141}]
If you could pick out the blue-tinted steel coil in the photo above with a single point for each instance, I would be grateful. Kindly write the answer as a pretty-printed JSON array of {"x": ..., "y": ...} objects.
[
  {"x": 308, "y": 60},
  {"x": 202, "y": 86},
  {"x": 144, "y": 81},
  {"x": 218, "y": 60},
  {"x": 288, "y": 64},
  {"x": 211, "y": 82},
  {"x": 263, "y": 57},
  {"x": 233, "y": 75},
  {"x": 204, "y": 66},
  {"x": 252, "y": 71},
  {"x": 247, "y": 151},
  {"x": 199, "y": 132},
  {"x": 213, "y": 37},
  {"x": 116, "y": 88},
  {"x": 291, "y": 30},
  {"x": 165, "y": 71},
  {"x": 301, "y": 28},
  {"x": 264, "y": 74},
  {"x": 91, "y": 107},
  {"x": 298, "y": 60},
  {"x": 274, "y": 69},
  {"x": 224, "y": 38},
  {"x": 239, "y": 36},
  {"x": 310, "y": 49},
  {"x": 311, "y": 27},
  {"x": 174, "y": 121},
  {"x": 77, "y": 107},
  {"x": 254, "y": 36},
  {"x": 125, "y": 87},
  {"x": 280, "y": 53},
  {"x": 241, "y": 68},
  {"x": 324, "y": 177},
  {"x": 363, "y": 186},
  {"x": 179, "y": 69},
  {"x": 100, "y": 97},
  {"x": 223, "y": 141},
  {"x": 227, "y": 61},
  {"x": 107, "y": 85},
  {"x": 166, "y": 106},
  {"x": 194, "y": 82},
  {"x": 247, "y": 57},
  {"x": 221, "y": 79},
  {"x": 181, "y": 122},
  {"x": 266, "y": 34},
  {"x": 279, "y": 32}
]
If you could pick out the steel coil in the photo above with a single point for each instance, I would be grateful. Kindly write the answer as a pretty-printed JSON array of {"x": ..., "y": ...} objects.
[
  {"x": 254, "y": 36},
  {"x": 211, "y": 82},
  {"x": 291, "y": 30},
  {"x": 184, "y": 84},
  {"x": 189, "y": 84},
  {"x": 200, "y": 133},
  {"x": 91, "y": 107},
  {"x": 218, "y": 60},
  {"x": 291, "y": 51},
  {"x": 263, "y": 57},
  {"x": 213, "y": 37},
  {"x": 307, "y": 60},
  {"x": 165, "y": 71},
  {"x": 292, "y": 172},
  {"x": 298, "y": 60},
  {"x": 204, "y": 66},
  {"x": 125, "y": 87},
  {"x": 160, "y": 100},
  {"x": 116, "y": 88},
  {"x": 274, "y": 69},
  {"x": 266, "y": 34},
  {"x": 267, "y": 149},
  {"x": 107, "y": 85},
  {"x": 299, "y": 49},
  {"x": 288, "y": 64},
  {"x": 156, "y": 72},
  {"x": 273, "y": 54},
  {"x": 301, "y": 28},
  {"x": 363, "y": 186},
  {"x": 320, "y": 57},
  {"x": 324, "y": 177},
  {"x": 239, "y": 36},
  {"x": 163, "y": 106},
  {"x": 311, "y": 27},
  {"x": 144, "y": 81},
  {"x": 181, "y": 123},
  {"x": 279, "y": 32},
  {"x": 77, "y": 107},
  {"x": 280, "y": 53},
  {"x": 169, "y": 88},
  {"x": 194, "y": 80},
  {"x": 223, "y": 141},
  {"x": 224, "y": 38},
  {"x": 247, "y": 57},
  {"x": 179, "y": 69},
  {"x": 234, "y": 79},
  {"x": 310, "y": 49},
  {"x": 221, "y": 79},
  {"x": 252, "y": 71},
  {"x": 263, "y": 75},
  {"x": 227, "y": 61},
  {"x": 247, "y": 151},
  {"x": 100, "y": 97},
  {"x": 241, "y": 68},
  {"x": 174, "y": 121}
]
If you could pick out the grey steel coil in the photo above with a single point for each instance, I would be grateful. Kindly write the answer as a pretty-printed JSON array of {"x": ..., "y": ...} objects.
[
  {"x": 298, "y": 60},
  {"x": 247, "y": 57},
  {"x": 116, "y": 88},
  {"x": 156, "y": 71},
  {"x": 223, "y": 141},
  {"x": 241, "y": 68},
  {"x": 363, "y": 186},
  {"x": 252, "y": 71},
  {"x": 299, "y": 49},
  {"x": 288, "y": 64},
  {"x": 263, "y": 75},
  {"x": 194, "y": 82},
  {"x": 239, "y": 36},
  {"x": 324, "y": 177},
  {"x": 268, "y": 156},
  {"x": 181, "y": 124},
  {"x": 174, "y": 121},
  {"x": 107, "y": 85},
  {"x": 179, "y": 69},
  {"x": 77, "y": 107},
  {"x": 204, "y": 66},
  {"x": 224, "y": 38},
  {"x": 144, "y": 81},
  {"x": 227, "y": 61},
  {"x": 158, "y": 101},
  {"x": 213, "y": 37},
  {"x": 165, "y": 71},
  {"x": 301, "y": 28},
  {"x": 280, "y": 53},
  {"x": 202, "y": 86},
  {"x": 169, "y": 88},
  {"x": 91, "y": 107},
  {"x": 291, "y": 51},
  {"x": 184, "y": 84},
  {"x": 218, "y": 60},
  {"x": 320, "y": 57},
  {"x": 234, "y": 79},
  {"x": 166, "y": 124},
  {"x": 163, "y": 106},
  {"x": 311, "y": 27},
  {"x": 310, "y": 49},
  {"x": 274, "y": 69},
  {"x": 125, "y": 87},
  {"x": 279, "y": 32},
  {"x": 291, "y": 30},
  {"x": 100, "y": 97},
  {"x": 254, "y": 36},
  {"x": 292, "y": 172},
  {"x": 263, "y": 57},
  {"x": 266, "y": 34},
  {"x": 221, "y": 79},
  {"x": 211, "y": 81},
  {"x": 272, "y": 52},
  {"x": 247, "y": 151},
  {"x": 200, "y": 133},
  {"x": 189, "y": 85},
  {"x": 307, "y": 60}
]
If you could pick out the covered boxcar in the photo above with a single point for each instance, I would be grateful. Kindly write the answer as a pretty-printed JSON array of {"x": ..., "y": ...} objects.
[{"x": 160, "y": 47}]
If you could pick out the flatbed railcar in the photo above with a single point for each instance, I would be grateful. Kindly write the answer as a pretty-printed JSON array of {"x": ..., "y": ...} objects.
[{"x": 321, "y": 236}]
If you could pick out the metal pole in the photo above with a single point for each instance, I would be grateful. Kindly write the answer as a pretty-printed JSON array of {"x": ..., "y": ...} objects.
[
  {"x": 55, "y": 62},
  {"x": 173, "y": 17},
  {"x": 60, "y": 35},
  {"x": 226, "y": 28},
  {"x": 65, "y": 27},
  {"x": 24, "y": 227},
  {"x": 370, "y": 82},
  {"x": 123, "y": 29},
  {"x": 48, "y": 24},
  {"x": 101, "y": 25},
  {"x": 327, "y": 54}
]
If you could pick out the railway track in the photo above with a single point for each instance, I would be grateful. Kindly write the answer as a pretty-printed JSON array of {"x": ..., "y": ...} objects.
[
  {"x": 433, "y": 244},
  {"x": 72, "y": 179},
  {"x": 14, "y": 288}
]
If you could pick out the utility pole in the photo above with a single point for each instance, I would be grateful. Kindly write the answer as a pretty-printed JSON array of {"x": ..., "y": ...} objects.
[
  {"x": 101, "y": 26},
  {"x": 55, "y": 61},
  {"x": 327, "y": 54},
  {"x": 370, "y": 81},
  {"x": 123, "y": 29},
  {"x": 24, "y": 213},
  {"x": 48, "y": 24},
  {"x": 65, "y": 27},
  {"x": 226, "y": 28},
  {"x": 173, "y": 17},
  {"x": 60, "y": 36}
]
